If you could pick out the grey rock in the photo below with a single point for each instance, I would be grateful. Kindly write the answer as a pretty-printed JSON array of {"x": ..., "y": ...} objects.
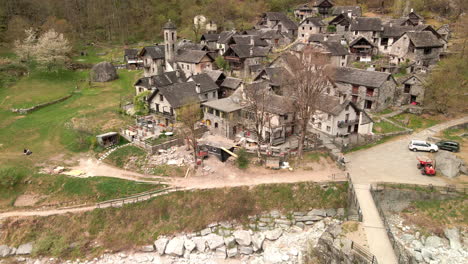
[
  {"x": 273, "y": 234},
  {"x": 224, "y": 232},
  {"x": 103, "y": 72},
  {"x": 309, "y": 222},
  {"x": 283, "y": 222},
  {"x": 257, "y": 241},
  {"x": 319, "y": 212},
  {"x": 4, "y": 251},
  {"x": 230, "y": 242},
  {"x": 407, "y": 238},
  {"x": 417, "y": 245},
  {"x": 261, "y": 224},
  {"x": 434, "y": 242},
  {"x": 200, "y": 243},
  {"x": 189, "y": 245},
  {"x": 242, "y": 237},
  {"x": 205, "y": 231},
  {"x": 299, "y": 213},
  {"x": 245, "y": 250},
  {"x": 275, "y": 214},
  {"x": 340, "y": 212},
  {"x": 160, "y": 245},
  {"x": 24, "y": 249},
  {"x": 418, "y": 256},
  {"x": 214, "y": 241},
  {"x": 231, "y": 252},
  {"x": 464, "y": 169},
  {"x": 220, "y": 252},
  {"x": 335, "y": 230},
  {"x": 175, "y": 247},
  {"x": 265, "y": 219},
  {"x": 426, "y": 254},
  {"x": 226, "y": 225},
  {"x": 331, "y": 212},
  {"x": 147, "y": 248},
  {"x": 308, "y": 218},
  {"x": 448, "y": 164},
  {"x": 300, "y": 225},
  {"x": 272, "y": 255},
  {"x": 453, "y": 236}
]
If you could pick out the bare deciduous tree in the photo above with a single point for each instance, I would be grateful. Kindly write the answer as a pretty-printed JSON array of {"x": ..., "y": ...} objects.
[
  {"x": 256, "y": 116},
  {"x": 188, "y": 116},
  {"x": 25, "y": 48},
  {"x": 309, "y": 78}
]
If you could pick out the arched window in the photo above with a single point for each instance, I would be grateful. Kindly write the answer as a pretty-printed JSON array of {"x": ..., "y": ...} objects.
[
  {"x": 167, "y": 36},
  {"x": 173, "y": 36},
  {"x": 216, "y": 125}
]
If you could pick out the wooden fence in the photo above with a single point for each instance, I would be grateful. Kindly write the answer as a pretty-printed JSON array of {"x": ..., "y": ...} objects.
[
  {"x": 363, "y": 254},
  {"x": 136, "y": 198}
]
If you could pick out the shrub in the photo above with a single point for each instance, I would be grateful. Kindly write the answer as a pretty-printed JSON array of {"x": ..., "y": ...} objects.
[{"x": 243, "y": 159}]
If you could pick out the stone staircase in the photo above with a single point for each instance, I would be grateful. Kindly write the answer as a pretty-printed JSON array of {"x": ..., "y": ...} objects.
[{"x": 112, "y": 149}]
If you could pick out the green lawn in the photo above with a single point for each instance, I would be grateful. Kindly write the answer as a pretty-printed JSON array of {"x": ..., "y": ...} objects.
[
  {"x": 140, "y": 224},
  {"x": 454, "y": 134},
  {"x": 57, "y": 189},
  {"x": 384, "y": 127},
  {"x": 415, "y": 122}
]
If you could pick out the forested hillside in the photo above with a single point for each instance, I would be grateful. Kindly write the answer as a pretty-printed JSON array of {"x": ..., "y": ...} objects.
[{"x": 123, "y": 21}]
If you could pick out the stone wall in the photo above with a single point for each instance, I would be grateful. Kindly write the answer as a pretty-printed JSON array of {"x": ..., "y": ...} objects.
[{"x": 36, "y": 107}]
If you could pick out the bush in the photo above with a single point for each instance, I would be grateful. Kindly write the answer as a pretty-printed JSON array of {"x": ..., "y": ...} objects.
[
  {"x": 11, "y": 176},
  {"x": 243, "y": 159}
]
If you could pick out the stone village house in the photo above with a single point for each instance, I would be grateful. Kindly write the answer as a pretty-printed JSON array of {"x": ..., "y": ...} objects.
[
  {"x": 153, "y": 60},
  {"x": 411, "y": 89},
  {"x": 423, "y": 48},
  {"x": 241, "y": 57},
  {"x": 309, "y": 26},
  {"x": 339, "y": 117},
  {"x": 279, "y": 22},
  {"x": 193, "y": 62},
  {"x": 369, "y": 90}
]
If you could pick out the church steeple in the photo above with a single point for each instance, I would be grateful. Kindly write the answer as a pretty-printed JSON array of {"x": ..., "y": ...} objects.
[{"x": 170, "y": 38}]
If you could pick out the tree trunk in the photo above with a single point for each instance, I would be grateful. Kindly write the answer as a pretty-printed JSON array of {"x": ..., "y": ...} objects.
[{"x": 300, "y": 149}]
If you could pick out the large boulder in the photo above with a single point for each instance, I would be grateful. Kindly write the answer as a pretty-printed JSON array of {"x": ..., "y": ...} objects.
[
  {"x": 5, "y": 251},
  {"x": 257, "y": 241},
  {"x": 175, "y": 247},
  {"x": 160, "y": 245},
  {"x": 214, "y": 241},
  {"x": 448, "y": 164},
  {"x": 242, "y": 237},
  {"x": 273, "y": 234},
  {"x": 103, "y": 72},
  {"x": 453, "y": 236},
  {"x": 434, "y": 242},
  {"x": 24, "y": 249}
]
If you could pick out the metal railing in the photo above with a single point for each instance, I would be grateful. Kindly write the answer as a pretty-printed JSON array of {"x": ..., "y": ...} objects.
[
  {"x": 352, "y": 199},
  {"x": 449, "y": 188},
  {"x": 136, "y": 198},
  {"x": 363, "y": 253}
]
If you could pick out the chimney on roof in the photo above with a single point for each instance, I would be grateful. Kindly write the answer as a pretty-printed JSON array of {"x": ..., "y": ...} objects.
[
  {"x": 197, "y": 88},
  {"x": 325, "y": 38},
  {"x": 350, "y": 13},
  {"x": 412, "y": 10},
  {"x": 177, "y": 73},
  {"x": 252, "y": 42},
  {"x": 342, "y": 98},
  {"x": 391, "y": 24},
  {"x": 251, "y": 51}
]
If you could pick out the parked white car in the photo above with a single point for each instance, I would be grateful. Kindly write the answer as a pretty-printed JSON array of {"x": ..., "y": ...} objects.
[{"x": 420, "y": 145}]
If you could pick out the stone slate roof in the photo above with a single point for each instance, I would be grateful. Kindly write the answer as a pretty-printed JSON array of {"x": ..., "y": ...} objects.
[
  {"x": 321, "y": 37},
  {"x": 155, "y": 52},
  {"x": 366, "y": 24},
  {"x": 214, "y": 75},
  {"x": 210, "y": 37},
  {"x": 424, "y": 39},
  {"x": 285, "y": 20},
  {"x": 168, "y": 78},
  {"x": 226, "y": 105},
  {"x": 356, "y": 40},
  {"x": 320, "y": 2},
  {"x": 335, "y": 48},
  {"x": 178, "y": 94},
  {"x": 360, "y": 77},
  {"x": 277, "y": 104},
  {"x": 316, "y": 21},
  {"x": 395, "y": 30},
  {"x": 191, "y": 56},
  {"x": 169, "y": 25},
  {"x": 331, "y": 104},
  {"x": 206, "y": 83},
  {"x": 231, "y": 83},
  {"x": 183, "y": 45},
  {"x": 144, "y": 82},
  {"x": 243, "y": 51},
  {"x": 355, "y": 10},
  {"x": 225, "y": 36},
  {"x": 131, "y": 53},
  {"x": 247, "y": 40},
  {"x": 275, "y": 75}
]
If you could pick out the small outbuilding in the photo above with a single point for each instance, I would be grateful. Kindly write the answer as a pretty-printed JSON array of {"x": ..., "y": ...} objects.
[{"x": 108, "y": 139}]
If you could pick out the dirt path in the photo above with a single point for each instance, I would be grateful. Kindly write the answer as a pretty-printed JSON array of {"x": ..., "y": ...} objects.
[{"x": 92, "y": 168}]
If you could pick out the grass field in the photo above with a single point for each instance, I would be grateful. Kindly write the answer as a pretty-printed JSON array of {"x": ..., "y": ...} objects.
[
  {"x": 56, "y": 133},
  {"x": 383, "y": 127},
  {"x": 416, "y": 122},
  {"x": 138, "y": 224}
]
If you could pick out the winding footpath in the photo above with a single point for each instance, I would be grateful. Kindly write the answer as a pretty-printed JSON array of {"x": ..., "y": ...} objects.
[{"x": 388, "y": 162}]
